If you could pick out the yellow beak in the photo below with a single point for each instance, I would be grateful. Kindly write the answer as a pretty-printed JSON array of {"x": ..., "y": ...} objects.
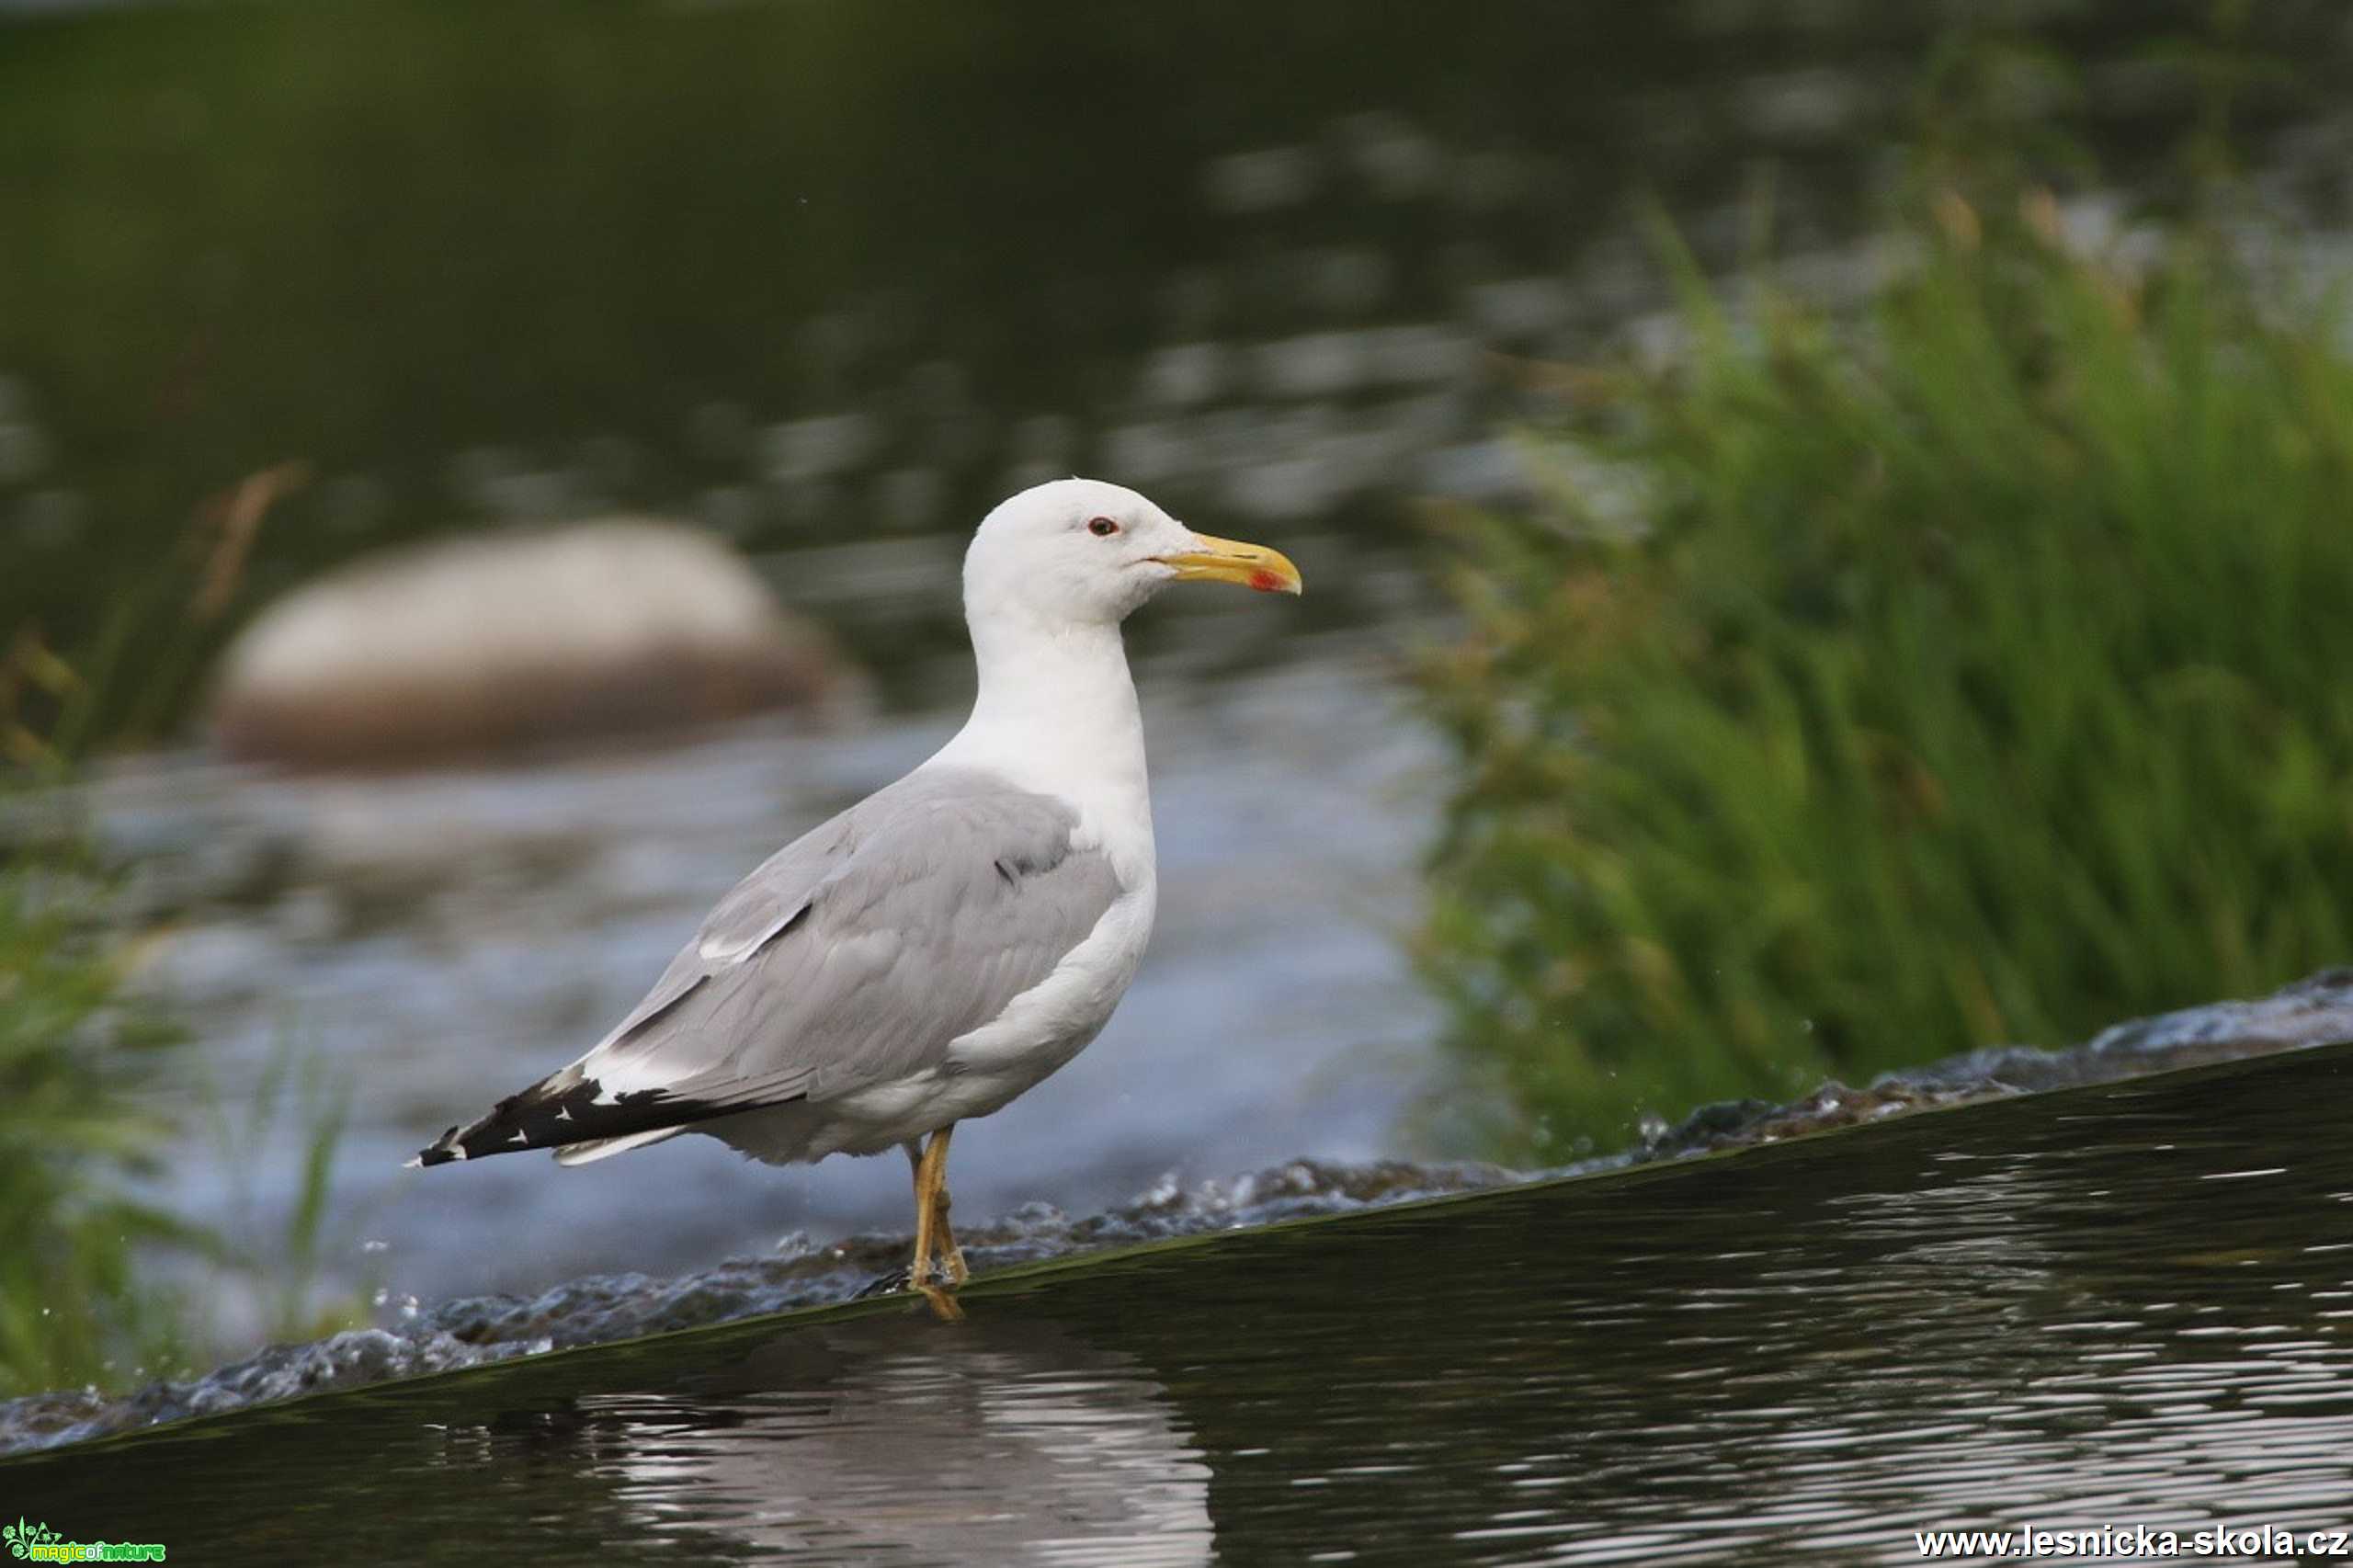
[{"x": 1231, "y": 561}]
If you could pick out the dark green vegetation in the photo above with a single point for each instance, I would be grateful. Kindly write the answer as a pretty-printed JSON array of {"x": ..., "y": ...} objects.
[
  {"x": 100, "y": 1284},
  {"x": 1971, "y": 672},
  {"x": 84, "y": 1295},
  {"x": 70, "y": 1306},
  {"x": 71, "y": 1310},
  {"x": 1794, "y": 1355}
]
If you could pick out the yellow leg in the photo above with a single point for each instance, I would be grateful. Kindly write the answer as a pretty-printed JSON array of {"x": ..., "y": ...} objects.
[
  {"x": 950, "y": 1257},
  {"x": 933, "y": 1238}
]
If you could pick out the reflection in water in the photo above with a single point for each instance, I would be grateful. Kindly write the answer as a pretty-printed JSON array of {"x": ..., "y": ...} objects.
[
  {"x": 2130, "y": 1305},
  {"x": 992, "y": 1442},
  {"x": 1995, "y": 1351}
]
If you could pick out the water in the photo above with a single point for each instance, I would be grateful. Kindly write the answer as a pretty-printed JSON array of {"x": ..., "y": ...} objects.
[
  {"x": 418, "y": 1337},
  {"x": 2129, "y": 1304}
]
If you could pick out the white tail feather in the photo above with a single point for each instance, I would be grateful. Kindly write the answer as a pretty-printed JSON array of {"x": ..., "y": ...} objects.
[{"x": 597, "y": 1148}]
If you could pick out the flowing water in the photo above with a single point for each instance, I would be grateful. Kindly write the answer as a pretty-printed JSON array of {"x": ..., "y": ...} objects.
[{"x": 2127, "y": 1305}]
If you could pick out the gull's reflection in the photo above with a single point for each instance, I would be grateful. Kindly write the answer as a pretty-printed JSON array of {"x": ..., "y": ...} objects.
[{"x": 891, "y": 1440}]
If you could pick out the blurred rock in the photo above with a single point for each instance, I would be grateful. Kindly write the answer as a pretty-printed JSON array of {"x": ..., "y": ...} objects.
[{"x": 473, "y": 646}]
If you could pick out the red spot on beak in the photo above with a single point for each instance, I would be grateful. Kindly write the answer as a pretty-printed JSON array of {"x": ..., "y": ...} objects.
[{"x": 1266, "y": 582}]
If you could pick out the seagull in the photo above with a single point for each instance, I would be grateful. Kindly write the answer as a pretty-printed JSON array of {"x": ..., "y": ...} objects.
[{"x": 941, "y": 947}]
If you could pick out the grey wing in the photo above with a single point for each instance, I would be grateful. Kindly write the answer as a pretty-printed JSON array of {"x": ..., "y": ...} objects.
[{"x": 850, "y": 958}]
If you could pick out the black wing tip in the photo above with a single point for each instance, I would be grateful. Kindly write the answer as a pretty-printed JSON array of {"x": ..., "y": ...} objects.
[
  {"x": 442, "y": 1151},
  {"x": 554, "y": 1114}
]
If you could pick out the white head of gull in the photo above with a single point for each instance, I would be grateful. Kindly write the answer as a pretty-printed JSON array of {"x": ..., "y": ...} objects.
[{"x": 942, "y": 946}]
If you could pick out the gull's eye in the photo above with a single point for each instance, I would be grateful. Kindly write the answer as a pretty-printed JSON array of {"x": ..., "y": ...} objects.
[{"x": 1102, "y": 527}]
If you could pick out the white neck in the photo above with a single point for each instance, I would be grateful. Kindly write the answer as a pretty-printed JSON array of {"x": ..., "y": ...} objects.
[{"x": 1056, "y": 712}]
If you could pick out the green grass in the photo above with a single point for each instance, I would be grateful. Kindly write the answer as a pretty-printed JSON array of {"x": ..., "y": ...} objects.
[
  {"x": 72, "y": 1308},
  {"x": 1977, "y": 669},
  {"x": 84, "y": 1262}
]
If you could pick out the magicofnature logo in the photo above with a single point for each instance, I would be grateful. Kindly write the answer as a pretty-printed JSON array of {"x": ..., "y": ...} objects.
[{"x": 39, "y": 1543}]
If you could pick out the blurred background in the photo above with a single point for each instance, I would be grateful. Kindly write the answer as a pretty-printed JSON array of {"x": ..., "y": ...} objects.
[{"x": 1825, "y": 524}]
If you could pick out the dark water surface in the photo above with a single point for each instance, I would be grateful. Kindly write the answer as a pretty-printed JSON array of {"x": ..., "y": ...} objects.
[{"x": 2124, "y": 1306}]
